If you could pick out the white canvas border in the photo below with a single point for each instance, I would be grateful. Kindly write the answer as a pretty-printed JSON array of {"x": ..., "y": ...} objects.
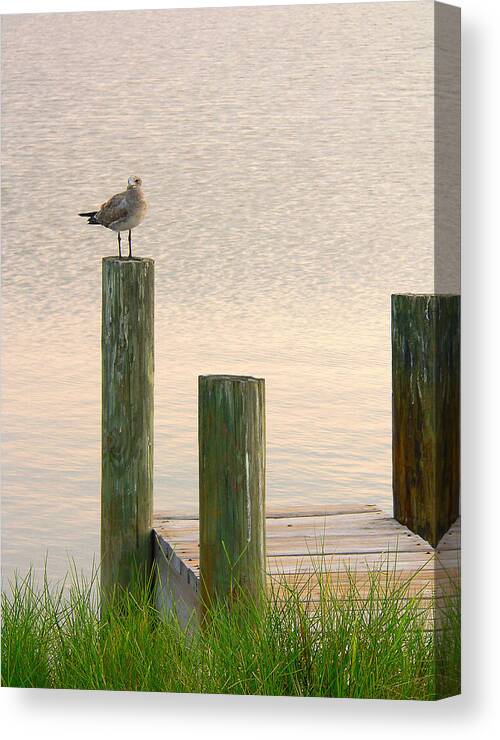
[{"x": 49, "y": 714}]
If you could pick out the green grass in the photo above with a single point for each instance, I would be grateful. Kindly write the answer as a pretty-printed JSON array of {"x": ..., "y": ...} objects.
[{"x": 373, "y": 647}]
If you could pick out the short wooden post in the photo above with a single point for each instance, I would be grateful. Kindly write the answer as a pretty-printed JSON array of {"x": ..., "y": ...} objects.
[
  {"x": 127, "y": 420},
  {"x": 426, "y": 412},
  {"x": 232, "y": 487}
]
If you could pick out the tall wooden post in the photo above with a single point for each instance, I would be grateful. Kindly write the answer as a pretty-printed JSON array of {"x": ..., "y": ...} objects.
[
  {"x": 232, "y": 487},
  {"x": 426, "y": 412},
  {"x": 127, "y": 420}
]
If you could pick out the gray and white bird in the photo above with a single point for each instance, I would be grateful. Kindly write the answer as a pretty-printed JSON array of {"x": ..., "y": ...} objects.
[{"x": 122, "y": 212}]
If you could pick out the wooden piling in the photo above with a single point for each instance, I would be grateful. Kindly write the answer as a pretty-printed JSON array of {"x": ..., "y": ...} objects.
[
  {"x": 232, "y": 487},
  {"x": 127, "y": 420},
  {"x": 426, "y": 412}
]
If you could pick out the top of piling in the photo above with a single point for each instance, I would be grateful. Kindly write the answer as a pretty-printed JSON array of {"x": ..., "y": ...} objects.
[
  {"x": 231, "y": 378},
  {"x": 425, "y": 295},
  {"x": 128, "y": 261}
]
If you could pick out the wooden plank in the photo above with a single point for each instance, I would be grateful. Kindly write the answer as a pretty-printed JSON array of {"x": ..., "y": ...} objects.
[
  {"x": 337, "y": 523},
  {"x": 451, "y": 540},
  {"x": 276, "y": 528},
  {"x": 337, "y": 585},
  {"x": 177, "y": 587},
  {"x": 302, "y": 526},
  {"x": 343, "y": 576},
  {"x": 304, "y": 541},
  {"x": 375, "y": 562},
  {"x": 302, "y": 546},
  {"x": 310, "y": 563},
  {"x": 315, "y": 542},
  {"x": 335, "y": 546},
  {"x": 324, "y": 530},
  {"x": 381, "y": 549},
  {"x": 360, "y": 563}
]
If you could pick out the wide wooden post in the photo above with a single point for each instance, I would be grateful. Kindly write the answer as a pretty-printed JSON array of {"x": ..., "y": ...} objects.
[
  {"x": 426, "y": 412},
  {"x": 127, "y": 420},
  {"x": 232, "y": 487}
]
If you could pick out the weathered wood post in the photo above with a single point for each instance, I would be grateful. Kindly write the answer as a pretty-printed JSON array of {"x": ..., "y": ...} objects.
[
  {"x": 127, "y": 420},
  {"x": 232, "y": 487},
  {"x": 426, "y": 412}
]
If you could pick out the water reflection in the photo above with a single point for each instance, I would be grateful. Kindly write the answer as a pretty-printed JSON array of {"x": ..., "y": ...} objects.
[{"x": 287, "y": 155}]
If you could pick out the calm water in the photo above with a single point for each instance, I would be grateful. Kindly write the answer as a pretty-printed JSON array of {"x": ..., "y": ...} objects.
[{"x": 287, "y": 155}]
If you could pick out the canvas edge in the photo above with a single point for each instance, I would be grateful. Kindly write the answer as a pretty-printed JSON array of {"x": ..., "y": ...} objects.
[{"x": 447, "y": 241}]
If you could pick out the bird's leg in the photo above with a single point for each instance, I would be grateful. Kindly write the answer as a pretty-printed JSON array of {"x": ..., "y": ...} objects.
[
  {"x": 129, "y": 244},
  {"x": 119, "y": 246}
]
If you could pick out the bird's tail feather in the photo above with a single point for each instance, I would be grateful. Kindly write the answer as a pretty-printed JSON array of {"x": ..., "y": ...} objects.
[{"x": 91, "y": 217}]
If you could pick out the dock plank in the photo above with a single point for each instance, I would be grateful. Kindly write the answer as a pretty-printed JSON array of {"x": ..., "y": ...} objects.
[{"x": 343, "y": 542}]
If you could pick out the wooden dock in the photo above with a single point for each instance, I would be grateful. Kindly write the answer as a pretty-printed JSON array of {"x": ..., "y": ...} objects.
[
  {"x": 238, "y": 542},
  {"x": 345, "y": 542}
]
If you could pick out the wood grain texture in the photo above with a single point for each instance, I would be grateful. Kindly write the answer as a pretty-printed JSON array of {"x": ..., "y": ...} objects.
[
  {"x": 298, "y": 548},
  {"x": 231, "y": 486},
  {"x": 177, "y": 586},
  {"x": 426, "y": 412},
  {"x": 127, "y": 419}
]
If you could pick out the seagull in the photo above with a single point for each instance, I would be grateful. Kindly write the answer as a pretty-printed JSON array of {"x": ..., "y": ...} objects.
[{"x": 122, "y": 212}]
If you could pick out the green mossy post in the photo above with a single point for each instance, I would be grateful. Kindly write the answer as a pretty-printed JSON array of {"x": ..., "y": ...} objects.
[
  {"x": 127, "y": 420},
  {"x": 426, "y": 412},
  {"x": 232, "y": 487}
]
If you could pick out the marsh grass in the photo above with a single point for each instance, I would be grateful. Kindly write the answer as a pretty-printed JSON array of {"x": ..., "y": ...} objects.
[{"x": 302, "y": 640}]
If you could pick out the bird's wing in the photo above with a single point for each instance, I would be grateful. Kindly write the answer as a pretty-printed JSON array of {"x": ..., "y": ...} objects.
[{"x": 114, "y": 209}]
